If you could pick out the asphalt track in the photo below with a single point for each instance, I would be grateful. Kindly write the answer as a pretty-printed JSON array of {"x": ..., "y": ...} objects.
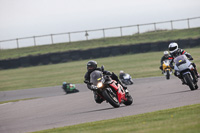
[{"x": 55, "y": 109}]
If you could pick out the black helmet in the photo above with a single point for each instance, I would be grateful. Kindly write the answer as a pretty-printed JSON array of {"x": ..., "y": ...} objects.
[{"x": 91, "y": 65}]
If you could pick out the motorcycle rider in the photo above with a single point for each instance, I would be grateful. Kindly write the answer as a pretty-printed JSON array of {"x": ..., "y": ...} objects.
[
  {"x": 91, "y": 66},
  {"x": 166, "y": 56},
  {"x": 121, "y": 74},
  {"x": 175, "y": 51}
]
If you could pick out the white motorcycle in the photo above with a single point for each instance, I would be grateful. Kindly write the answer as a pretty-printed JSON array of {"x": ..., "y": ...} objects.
[
  {"x": 186, "y": 70},
  {"x": 127, "y": 79}
]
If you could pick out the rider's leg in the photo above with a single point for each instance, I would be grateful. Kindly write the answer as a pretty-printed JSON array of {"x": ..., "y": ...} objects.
[
  {"x": 195, "y": 69},
  {"x": 177, "y": 74},
  {"x": 114, "y": 77}
]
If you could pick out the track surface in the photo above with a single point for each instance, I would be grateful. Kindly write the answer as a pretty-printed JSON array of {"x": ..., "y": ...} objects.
[{"x": 55, "y": 109}]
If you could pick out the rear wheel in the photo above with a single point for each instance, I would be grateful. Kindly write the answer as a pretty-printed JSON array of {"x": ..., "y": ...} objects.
[
  {"x": 111, "y": 97},
  {"x": 189, "y": 81}
]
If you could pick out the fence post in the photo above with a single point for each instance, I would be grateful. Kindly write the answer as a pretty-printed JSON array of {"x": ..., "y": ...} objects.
[
  {"x": 86, "y": 35},
  {"x": 121, "y": 31},
  {"x": 34, "y": 40},
  {"x": 52, "y": 38},
  {"x": 138, "y": 29},
  {"x": 17, "y": 43},
  {"x": 172, "y": 25},
  {"x": 188, "y": 20},
  {"x": 69, "y": 37},
  {"x": 104, "y": 34},
  {"x": 155, "y": 26}
]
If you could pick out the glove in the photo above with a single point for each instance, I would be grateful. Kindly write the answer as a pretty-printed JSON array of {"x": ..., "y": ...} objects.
[
  {"x": 191, "y": 58},
  {"x": 86, "y": 81}
]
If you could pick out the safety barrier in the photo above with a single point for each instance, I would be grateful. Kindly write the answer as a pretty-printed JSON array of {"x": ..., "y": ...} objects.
[{"x": 53, "y": 58}]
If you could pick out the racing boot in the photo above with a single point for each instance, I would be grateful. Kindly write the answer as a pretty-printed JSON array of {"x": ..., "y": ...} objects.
[
  {"x": 195, "y": 70},
  {"x": 97, "y": 98},
  {"x": 196, "y": 73},
  {"x": 183, "y": 82},
  {"x": 177, "y": 74}
]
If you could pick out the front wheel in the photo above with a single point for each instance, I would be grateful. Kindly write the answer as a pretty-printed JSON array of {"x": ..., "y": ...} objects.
[
  {"x": 111, "y": 97},
  {"x": 189, "y": 81},
  {"x": 129, "y": 100},
  {"x": 168, "y": 75}
]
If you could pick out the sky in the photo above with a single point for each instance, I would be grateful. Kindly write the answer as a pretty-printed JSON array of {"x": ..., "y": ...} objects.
[{"x": 24, "y": 18}]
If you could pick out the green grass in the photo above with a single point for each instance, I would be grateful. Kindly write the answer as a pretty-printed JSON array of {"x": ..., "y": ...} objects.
[
  {"x": 163, "y": 35},
  {"x": 138, "y": 65},
  {"x": 180, "y": 120}
]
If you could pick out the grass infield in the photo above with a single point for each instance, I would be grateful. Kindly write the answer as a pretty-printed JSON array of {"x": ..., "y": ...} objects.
[
  {"x": 137, "y": 65},
  {"x": 184, "y": 119}
]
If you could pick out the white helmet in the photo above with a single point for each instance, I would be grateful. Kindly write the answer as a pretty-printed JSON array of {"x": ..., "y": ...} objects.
[
  {"x": 166, "y": 53},
  {"x": 121, "y": 71},
  {"x": 173, "y": 47}
]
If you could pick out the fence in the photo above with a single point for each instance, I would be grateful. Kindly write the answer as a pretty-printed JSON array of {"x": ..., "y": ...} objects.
[{"x": 100, "y": 33}]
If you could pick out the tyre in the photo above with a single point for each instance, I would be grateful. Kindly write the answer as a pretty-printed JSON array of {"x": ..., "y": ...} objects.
[
  {"x": 168, "y": 75},
  {"x": 196, "y": 87},
  {"x": 189, "y": 81},
  {"x": 111, "y": 97},
  {"x": 129, "y": 100}
]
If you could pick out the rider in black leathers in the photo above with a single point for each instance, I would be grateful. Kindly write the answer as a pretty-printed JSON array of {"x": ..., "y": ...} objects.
[
  {"x": 91, "y": 66},
  {"x": 175, "y": 51}
]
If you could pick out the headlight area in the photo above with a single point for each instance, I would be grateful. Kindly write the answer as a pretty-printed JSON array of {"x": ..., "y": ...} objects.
[{"x": 99, "y": 85}]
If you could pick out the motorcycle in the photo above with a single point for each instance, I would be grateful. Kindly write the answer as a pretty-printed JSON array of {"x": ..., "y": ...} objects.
[
  {"x": 69, "y": 88},
  {"x": 167, "y": 70},
  {"x": 186, "y": 70},
  {"x": 127, "y": 79},
  {"x": 109, "y": 90}
]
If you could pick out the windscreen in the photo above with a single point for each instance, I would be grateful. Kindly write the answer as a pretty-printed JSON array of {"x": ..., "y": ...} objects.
[
  {"x": 166, "y": 61},
  {"x": 95, "y": 77},
  {"x": 180, "y": 60},
  {"x": 126, "y": 76}
]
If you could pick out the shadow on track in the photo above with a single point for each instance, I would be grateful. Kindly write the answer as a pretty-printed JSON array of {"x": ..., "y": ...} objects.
[
  {"x": 97, "y": 110},
  {"x": 178, "y": 92}
]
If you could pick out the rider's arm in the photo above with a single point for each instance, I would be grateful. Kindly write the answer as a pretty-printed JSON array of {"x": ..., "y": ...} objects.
[
  {"x": 171, "y": 59},
  {"x": 87, "y": 80},
  {"x": 161, "y": 61},
  {"x": 187, "y": 54},
  {"x": 107, "y": 72}
]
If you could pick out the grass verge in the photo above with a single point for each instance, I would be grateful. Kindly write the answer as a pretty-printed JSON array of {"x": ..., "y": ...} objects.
[
  {"x": 137, "y": 65},
  {"x": 148, "y": 37},
  {"x": 180, "y": 120}
]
